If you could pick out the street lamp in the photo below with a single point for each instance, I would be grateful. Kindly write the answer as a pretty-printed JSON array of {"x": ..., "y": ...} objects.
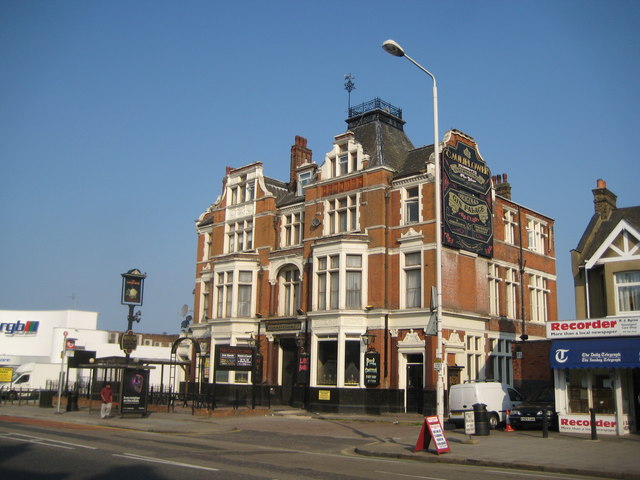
[{"x": 394, "y": 49}]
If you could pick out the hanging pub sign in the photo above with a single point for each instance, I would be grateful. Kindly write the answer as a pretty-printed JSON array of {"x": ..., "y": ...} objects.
[
  {"x": 234, "y": 358},
  {"x": 466, "y": 200},
  {"x": 132, "y": 287},
  {"x": 135, "y": 389},
  {"x": 371, "y": 369}
]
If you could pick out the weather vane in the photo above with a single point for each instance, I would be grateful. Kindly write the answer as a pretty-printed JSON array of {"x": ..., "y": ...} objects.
[{"x": 349, "y": 86}]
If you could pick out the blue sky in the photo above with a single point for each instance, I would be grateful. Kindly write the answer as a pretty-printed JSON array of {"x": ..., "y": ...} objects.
[{"x": 117, "y": 120}]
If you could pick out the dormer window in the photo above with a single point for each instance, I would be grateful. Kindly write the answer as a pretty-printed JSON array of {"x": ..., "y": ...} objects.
[
  {"x": 304, "y": 178},
  {"x": 243, "y": 191},
  {"x": 346, "y": 158}
]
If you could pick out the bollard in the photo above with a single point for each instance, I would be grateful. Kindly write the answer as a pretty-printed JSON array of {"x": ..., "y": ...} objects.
[
  {"x": 545, "y": 423},
  {"x": 594, "y": 432}
]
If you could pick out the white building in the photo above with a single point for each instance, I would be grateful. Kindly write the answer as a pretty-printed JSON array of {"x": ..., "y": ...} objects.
[{"x": 41, "y": 336}]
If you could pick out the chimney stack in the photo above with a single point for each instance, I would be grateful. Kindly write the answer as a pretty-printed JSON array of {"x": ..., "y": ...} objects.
[
  {"x": 502, "y": 186},
  {"x": 604, "y": 200},
  {"x": 300, "y": 155}
]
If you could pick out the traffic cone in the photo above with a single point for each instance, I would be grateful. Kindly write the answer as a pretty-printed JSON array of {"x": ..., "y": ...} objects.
[{"x": 508, "y": 428}]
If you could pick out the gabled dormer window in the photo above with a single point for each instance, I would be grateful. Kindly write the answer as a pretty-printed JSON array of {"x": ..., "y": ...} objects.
[
  {"x": 346, "y": 158},
  {"x": 242, "y": 192}
]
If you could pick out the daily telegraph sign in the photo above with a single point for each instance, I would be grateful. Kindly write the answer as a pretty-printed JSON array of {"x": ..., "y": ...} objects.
[
  {"x": 19, "y": 328},
  {"x": 595, "y": 327},
  {"x": 467, "y": 207}
]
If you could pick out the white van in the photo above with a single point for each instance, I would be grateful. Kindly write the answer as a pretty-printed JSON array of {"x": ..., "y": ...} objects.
[{"x": 498, "y": 397}]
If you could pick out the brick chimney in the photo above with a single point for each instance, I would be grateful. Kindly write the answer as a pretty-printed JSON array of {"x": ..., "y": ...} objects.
[
  {"x": 502, "y": 186},
  {"x": 604, "y": 200},
  {"x": 300, "y": 155}
]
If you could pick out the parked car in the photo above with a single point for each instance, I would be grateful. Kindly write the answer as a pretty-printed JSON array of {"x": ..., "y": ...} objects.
[
  {"x": 498, "y": 398},
  {"x": 530, "y": 413}
]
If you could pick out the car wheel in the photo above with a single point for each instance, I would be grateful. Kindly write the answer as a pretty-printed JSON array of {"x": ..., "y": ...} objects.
[
  {"x": 13, "y": 395},
  {"x": 494, "y": 420}
]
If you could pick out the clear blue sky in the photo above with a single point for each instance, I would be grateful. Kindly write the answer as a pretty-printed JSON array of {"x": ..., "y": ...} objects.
[{"x": 117, "y": 120}]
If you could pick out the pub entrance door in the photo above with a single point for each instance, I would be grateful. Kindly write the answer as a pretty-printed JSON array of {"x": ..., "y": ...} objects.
[
  {"x": 289, "y": 369},
  {"x": 415, "y": 382}
]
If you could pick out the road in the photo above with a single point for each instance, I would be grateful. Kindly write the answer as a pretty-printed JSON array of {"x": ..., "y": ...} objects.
[{"x": 47, "y": 451}]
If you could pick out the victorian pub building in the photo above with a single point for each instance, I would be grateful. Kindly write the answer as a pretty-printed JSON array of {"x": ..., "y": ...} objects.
[{"x": 318, "y": 291}]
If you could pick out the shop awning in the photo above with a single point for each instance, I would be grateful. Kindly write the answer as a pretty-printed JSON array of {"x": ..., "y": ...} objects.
[{"x": 596, "y": 353}]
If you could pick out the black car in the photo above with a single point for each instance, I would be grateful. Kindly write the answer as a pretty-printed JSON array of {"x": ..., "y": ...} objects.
[{"x": 530, "y": 413}]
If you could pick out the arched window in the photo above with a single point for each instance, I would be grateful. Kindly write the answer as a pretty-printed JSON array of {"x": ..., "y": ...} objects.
[{"x": 289, "y": 288}]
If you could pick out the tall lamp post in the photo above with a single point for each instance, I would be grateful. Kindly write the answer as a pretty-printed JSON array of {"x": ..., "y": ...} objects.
[{"x": 393, "y": 48}]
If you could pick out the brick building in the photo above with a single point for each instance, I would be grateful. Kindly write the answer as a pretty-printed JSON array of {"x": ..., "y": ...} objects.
[{"x": 331, "y": 273}]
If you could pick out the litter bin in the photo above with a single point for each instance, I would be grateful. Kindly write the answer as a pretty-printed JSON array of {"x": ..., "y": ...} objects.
[
  {"x": 481, "y": 419},
  {"x": 72, "y": 402},
  {"x": 46, "y": 398}
]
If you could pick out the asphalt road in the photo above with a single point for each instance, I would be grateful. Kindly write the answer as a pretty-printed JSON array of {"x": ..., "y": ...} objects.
[{"x": 47, "y": 452}]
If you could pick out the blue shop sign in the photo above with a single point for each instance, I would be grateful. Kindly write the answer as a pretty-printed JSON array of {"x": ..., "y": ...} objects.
[{"x": 596, "y": 353}]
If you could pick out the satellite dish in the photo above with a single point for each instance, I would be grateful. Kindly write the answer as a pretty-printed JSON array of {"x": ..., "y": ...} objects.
[{"x": 184, "y": 310}]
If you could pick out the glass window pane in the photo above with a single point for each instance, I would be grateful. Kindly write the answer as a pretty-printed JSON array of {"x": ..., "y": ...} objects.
[
  {"x": 354, "y": 260},
  {"x": 354, "y": 280},
  {"x": 352, "y": 362},
  {"x": 327, "y": 362}
]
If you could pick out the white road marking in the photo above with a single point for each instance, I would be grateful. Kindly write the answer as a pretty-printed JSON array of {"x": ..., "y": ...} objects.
[
  {"x": 529, "y": 474},
  {"x": 411, "y": 476},
  {"x": 133, "y": 456},
  {"x": 44, "y": 441}
]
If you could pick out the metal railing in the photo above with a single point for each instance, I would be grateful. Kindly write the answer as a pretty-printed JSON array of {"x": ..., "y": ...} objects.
[{"x": 375, "y": 104}]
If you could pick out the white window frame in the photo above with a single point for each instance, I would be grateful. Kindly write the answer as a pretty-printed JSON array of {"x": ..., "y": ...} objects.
[
  {"x": 229, "y": 283},
  {"x": 408, "y": 201},
  {"x": 633, "y": 285},
  {"x": 289, "y": 281},
  {"x": 536, "y": 234},
  {"x": 292, "y": 228},
  {"x": 239, "y": 235},
  {"x": 304, "y": 179},
  {"x": 501, "y": 359},
  {"x": 409, "y": 268},
  {"x": 538, "y": 296},
  {"x": 345, "y": 207},
  {"x": 330, "y": 267},
  {"x": 494, "y": 289},
  {"x": 510, "y": 226},
  {"x": 511, "y": 292},
  {"x": 475, "y": 357}
]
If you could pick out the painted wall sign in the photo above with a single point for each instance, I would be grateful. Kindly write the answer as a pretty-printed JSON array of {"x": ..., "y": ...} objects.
[
  {"x": 595, "y": 327},
  {"x": 467, "y": 207},
  {"x": 465, "y": 168},
  {"x": 19, "y": 328}
]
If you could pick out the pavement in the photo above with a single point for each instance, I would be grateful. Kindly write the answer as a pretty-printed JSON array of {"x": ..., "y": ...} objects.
[{"x": 387, "y": 435}]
